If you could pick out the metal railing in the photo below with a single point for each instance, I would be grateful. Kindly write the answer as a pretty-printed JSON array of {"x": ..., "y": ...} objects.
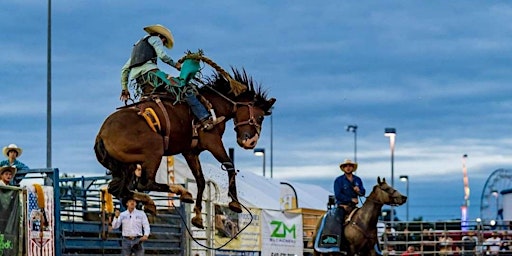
[{"x": 445, "y": 238}]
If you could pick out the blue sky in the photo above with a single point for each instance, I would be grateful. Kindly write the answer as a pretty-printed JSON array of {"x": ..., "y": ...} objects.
[{"x": 437, "y": 71}]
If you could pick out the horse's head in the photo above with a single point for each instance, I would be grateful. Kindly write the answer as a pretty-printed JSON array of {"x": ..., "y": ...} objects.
[
  {"x": 386, "y": 194},
  {"x": 249, "y": 107},
  {"x": 248, "y": 119}
]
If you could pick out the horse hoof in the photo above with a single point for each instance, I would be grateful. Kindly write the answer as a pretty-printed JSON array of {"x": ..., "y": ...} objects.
[
  {"x": 187, "y": 198},
  {"x": 197, "y": 222},
  {"x": 235, "y": 206}
]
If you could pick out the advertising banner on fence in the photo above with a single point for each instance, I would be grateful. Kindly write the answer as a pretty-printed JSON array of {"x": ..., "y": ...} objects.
[
  {"x": 229, "y": 223},
  {"x": 10, "y": 221},
  {"x": 40, "y": 221},
  {"x": 281, "y": 233}
]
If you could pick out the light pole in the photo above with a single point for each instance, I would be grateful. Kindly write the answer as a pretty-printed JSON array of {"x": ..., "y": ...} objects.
[
  {"x": 391, "y": 133},
  {"x": 353, "y": 128},
  {"x": 261, "y": 152},
  {"x": 405, "y": 178},
  {"x": 271, "y": 144}
]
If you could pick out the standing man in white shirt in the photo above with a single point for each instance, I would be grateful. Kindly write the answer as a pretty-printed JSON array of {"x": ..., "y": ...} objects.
[{"x": 135, "y": 228}]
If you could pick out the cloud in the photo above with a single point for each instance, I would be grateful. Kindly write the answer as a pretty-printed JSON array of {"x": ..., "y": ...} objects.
[{"x": 436, "y": 71}]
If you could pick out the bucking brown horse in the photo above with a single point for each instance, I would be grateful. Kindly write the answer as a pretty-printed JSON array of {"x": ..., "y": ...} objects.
[
  {"x": 361, "y": 230},
  {"x": 126, "y": 138}
]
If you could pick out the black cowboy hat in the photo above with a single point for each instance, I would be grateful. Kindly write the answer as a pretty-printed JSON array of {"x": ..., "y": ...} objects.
[{"x": 127, "y": 198}]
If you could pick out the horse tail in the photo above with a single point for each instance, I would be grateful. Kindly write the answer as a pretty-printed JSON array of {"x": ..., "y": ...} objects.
[
  {"x": 100, "y": 151},
  {"x": 117, "y": 185}
]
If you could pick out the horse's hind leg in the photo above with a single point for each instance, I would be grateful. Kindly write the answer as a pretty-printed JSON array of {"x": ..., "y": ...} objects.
[
  {"x": 149, "y": 204},
  {"x": 150, "y": 166},
  {"x": 194, "y": 165},
  {"x": 185, "y": 196}
]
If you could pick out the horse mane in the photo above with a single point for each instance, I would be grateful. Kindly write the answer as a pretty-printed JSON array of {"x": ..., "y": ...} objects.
[{"x": 253, "y": 89}]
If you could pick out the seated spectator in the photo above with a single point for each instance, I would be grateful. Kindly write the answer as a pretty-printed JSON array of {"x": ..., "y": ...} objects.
[
  {"x": 411, "y": 251},
  {"x": 492, "y": 244},
  {"x": 6, "y": 174},
  {"x": 445, "y": 244},
  {"x": 406, "y": 238},
  {"x": 388, "y": 235},
  {"x": 506, "y": 244},
  {"x": 468, "y": 244},
  {"x": 390, "y": 250},
  {"x": 428, "y": 242}
]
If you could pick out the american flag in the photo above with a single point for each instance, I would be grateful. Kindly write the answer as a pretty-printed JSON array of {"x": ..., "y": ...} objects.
[
  {"x": 32, "y": 202},
  {"x": 37, "y": 245}
]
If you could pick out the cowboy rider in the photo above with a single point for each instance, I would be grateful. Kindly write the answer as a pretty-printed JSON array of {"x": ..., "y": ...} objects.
[
  {"x": 347, "y": 188},
  {"x": 142, "y": 67}
]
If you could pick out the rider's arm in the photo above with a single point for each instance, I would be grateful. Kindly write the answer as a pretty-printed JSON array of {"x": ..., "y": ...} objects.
[
  {"x": 156, "y": 42},
  {"x": 125, "y": 72},
  {"x": 362, "y": 190},
  {"x": 339, "y": 193}
]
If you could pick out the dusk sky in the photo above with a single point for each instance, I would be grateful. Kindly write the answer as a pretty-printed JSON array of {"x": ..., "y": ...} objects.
[{"x": 437, "y": 71}]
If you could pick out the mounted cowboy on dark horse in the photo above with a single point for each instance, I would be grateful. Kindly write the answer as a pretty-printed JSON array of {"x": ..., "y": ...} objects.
[
  {"x": 162, "y": 124},
  {"x": 356, "y": 233}
]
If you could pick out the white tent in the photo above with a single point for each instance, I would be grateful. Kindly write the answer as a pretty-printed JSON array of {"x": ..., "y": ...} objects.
[{"x": 253, "y": 190}]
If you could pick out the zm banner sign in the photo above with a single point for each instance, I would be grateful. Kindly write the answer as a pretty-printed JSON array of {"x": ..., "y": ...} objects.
[{"x": 281, "y": 233}]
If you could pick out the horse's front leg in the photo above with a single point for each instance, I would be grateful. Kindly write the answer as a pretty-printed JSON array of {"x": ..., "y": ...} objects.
[
  {"x": 234, "y": 205},
  {"x": 220, "y": 154},
  {"x": 194, "y": 165}
]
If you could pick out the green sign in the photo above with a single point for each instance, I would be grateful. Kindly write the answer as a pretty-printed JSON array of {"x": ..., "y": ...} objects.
[
  {"x": 4, "y": 244},
  {"x": 281, "y": 230}
]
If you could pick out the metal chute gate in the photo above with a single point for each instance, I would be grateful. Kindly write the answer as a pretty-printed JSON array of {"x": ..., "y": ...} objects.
[{"x": 76, "y": 223}]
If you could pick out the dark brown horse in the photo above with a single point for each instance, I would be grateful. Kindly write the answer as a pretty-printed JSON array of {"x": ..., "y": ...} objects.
[
  {"x": 361, "y": 231},
  {"x": 125, "y": 139}
]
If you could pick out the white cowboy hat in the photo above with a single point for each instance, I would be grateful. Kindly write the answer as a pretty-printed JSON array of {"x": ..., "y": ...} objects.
[
  {"x": 160, "y": 29},
  {"x": 348, "y": 162},
  {"x": 12, "y": 147}
]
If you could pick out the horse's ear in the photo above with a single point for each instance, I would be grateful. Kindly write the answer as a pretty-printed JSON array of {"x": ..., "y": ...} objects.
[
  {"x": 383, "y": 180},
  {"x": 268, "y": 106},
  {"x": 378, "y": 180}
]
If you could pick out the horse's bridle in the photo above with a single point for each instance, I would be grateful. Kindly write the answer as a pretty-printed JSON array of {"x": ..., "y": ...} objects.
[
  {"x": 250, "y": 104},
  {"x": 251, "y": 121},
  {"x": 389, "y": 193}
]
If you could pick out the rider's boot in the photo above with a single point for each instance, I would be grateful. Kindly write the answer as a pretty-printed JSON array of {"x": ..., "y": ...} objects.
[
  {"x": 208, "y": 123},
  {"x": 205, "y": 119}
]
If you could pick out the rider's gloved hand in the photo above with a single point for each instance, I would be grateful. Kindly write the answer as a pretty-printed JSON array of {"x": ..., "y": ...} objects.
[
  {"x": 125, "y": 95},
  {"x": 178, "y": 66}
]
